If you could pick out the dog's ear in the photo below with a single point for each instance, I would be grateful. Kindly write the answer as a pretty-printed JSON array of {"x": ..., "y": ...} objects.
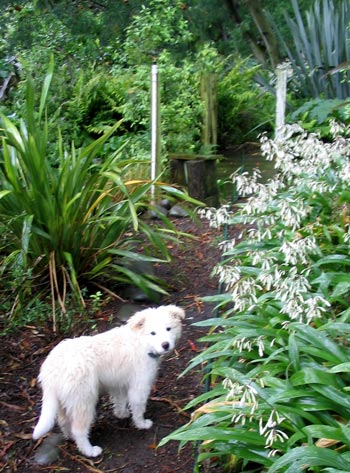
[
  {"x": 176, "y": 312},
  {"x": 137, "y": 321}
]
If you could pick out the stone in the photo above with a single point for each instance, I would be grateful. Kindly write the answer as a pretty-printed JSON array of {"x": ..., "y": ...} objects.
[
  {"x": 48, "y": 451},
  {"x": 127, "y": 310},
  {"x": 157, "y": 210},
  {"x": 165, "y": 203},
  {"x": 178, "y": 211},
  {"x": 134, "y": 293}
]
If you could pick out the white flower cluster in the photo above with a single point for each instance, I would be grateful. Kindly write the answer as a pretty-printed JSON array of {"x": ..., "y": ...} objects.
[
  {"x": 297, "y": 251},
  {"x": 242, "y": 397},
  {"x": 281, "y": 278},
  {"x": 245, "y": 403},
  {"x": 247, "y": 184},
  {"x": 292, "y": 211},
  {"x": 270, "y": 430},
  {"x": 261, "y": 201},
  {"x": 228, "y": 275},
  {"x": 279, "y": 243},
  {"x": 244, "y": 294},
  {"x": 216, "y": 217},
  {"x": 306, "y": 160},
  {"x": 246, "y": 344}
]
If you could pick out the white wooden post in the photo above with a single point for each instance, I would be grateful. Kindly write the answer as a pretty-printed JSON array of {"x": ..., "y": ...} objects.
[
  {"x": 283, "y": 71},
  {"x": 155, "y": 128}
]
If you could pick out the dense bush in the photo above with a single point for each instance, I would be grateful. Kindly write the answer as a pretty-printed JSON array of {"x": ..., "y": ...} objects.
[
  {"x": 98, "y": 82},
  {"x": 71, "y": 221},
  {"x": 240, "y": 120},
  {"x": 278, "y": 354},
  {"x": 318, "y": 114}
]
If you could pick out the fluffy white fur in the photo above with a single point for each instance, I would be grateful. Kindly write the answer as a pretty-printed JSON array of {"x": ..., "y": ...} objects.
[{"x": 122, "y": 362}]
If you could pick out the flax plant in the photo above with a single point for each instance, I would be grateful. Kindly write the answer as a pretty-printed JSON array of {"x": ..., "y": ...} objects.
[
  {"x": 71, "y": 223},
  {"x": 319, "y": 53},
  {"x": 278, "y": 353}
]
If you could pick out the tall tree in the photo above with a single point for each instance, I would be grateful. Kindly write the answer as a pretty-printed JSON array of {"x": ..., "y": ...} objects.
[{"x": 264, "y": 45}]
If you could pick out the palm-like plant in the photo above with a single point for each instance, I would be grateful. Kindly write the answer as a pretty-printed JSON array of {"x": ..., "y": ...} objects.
[
  {"x": 67, "y": 223},
  {"x": 320, "y": 55}
]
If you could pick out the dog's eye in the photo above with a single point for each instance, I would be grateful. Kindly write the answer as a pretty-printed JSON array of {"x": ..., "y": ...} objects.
[
  {"x": 153, "y": 333},
  {"x": 168, "y": 329}
]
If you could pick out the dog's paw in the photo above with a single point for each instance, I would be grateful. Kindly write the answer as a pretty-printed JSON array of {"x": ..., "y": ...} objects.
[
  {"x": 94, "y": 451},
  {"x": 144, "y": 424}
]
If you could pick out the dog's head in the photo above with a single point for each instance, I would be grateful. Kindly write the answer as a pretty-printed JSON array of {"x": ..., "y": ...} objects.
[{"x": 159, "y": 327}]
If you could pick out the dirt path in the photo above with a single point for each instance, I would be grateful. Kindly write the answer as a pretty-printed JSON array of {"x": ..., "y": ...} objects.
[{"x": 125, "y": 449}]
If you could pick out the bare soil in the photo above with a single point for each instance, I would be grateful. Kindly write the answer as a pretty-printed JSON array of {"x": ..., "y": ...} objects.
[{"x": 125, "y": 449}]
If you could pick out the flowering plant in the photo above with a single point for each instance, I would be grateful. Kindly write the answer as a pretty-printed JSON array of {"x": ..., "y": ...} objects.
[{"x": 278, "y": 355}]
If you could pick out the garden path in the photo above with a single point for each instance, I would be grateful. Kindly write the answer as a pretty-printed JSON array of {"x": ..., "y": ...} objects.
[{"x": 126, "y": 449}]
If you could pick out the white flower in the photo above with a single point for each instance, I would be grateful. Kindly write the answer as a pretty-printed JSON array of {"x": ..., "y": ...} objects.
[
  {"x": 228, "y": 275},
  {"x": 244, "y": 344},
  {"x": 216, "y": 217},
  {"x": 261, "y": 346},
  {"x": 267, "y": 279},
  {"x": 242, "y": 396},
  {"x": 270, "y": 431},
  {"x": 314, "y": 307},
  {"x": 246, "y": 184},
  {"x": 244, "y": 294},
  {"x": 297, "y": 251},
  {"x": 292, "y": 211}
]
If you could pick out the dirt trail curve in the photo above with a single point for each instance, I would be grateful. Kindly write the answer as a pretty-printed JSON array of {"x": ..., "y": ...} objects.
[{"x": 125, "y": 449}]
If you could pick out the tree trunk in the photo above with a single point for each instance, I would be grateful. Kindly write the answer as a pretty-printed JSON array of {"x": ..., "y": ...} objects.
[
  {"x": 265, "y": 29},
  {"x": 270, "y": 51}
]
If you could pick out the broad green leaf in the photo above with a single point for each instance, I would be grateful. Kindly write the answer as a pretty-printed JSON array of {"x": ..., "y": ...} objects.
[
  {"x": 293, "y": 352},
  {"x": 303, "y": 457},
  {"x": 341, "y": 289},
  {"x": 328, "y": 432},
  {"x": 341, "y": 368},
  {"x": 216, "y": 433},
  {"x": 313, "y": 375},
  {"x": 320, "y": 340}
]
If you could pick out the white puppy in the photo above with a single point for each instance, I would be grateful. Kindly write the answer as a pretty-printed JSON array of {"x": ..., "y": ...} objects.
[{"x": 122, "y": 362}]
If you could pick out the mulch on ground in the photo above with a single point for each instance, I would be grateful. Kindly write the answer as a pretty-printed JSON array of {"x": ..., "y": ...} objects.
[{"x": 125, "y": 449}]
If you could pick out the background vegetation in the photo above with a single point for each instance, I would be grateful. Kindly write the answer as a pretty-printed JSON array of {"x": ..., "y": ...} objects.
[{"x": 74, "y": 183}]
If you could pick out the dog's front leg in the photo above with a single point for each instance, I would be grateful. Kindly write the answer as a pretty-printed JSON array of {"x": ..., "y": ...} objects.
[{"x": 137, "y": 403}]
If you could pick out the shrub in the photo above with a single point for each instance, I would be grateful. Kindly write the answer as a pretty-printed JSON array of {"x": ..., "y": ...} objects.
[
  {"x": 318, "y": 114},
  {"x": 278, "y": 354},
  {"x": 73, "y": 222},
  {"x": 239, "y": 119}
]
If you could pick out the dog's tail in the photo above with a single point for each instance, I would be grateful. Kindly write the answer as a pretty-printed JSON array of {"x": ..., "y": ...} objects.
[{"x": 48, "y": 415}]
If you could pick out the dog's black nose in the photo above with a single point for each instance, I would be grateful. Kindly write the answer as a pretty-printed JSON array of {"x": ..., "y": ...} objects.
[{"x": 165, "y": 345}]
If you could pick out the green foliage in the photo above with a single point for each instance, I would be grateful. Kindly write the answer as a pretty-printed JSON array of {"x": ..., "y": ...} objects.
[
  {"x": 181, "y": 111},
  {"x": 101, "y": 79},
  {"x": 113, "y": 81},
  {"x": 72, "y": 222},
  {"x": 46, "y": 31},
  {"x": 160, "y": 32},
  {"x": 317, "y": 115},
  {"x": 278, "y": 353},
  {"x": 320, "y": 56},
  {"x": 239, "y": 118},
  {"x": 158, "y": 27}
]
